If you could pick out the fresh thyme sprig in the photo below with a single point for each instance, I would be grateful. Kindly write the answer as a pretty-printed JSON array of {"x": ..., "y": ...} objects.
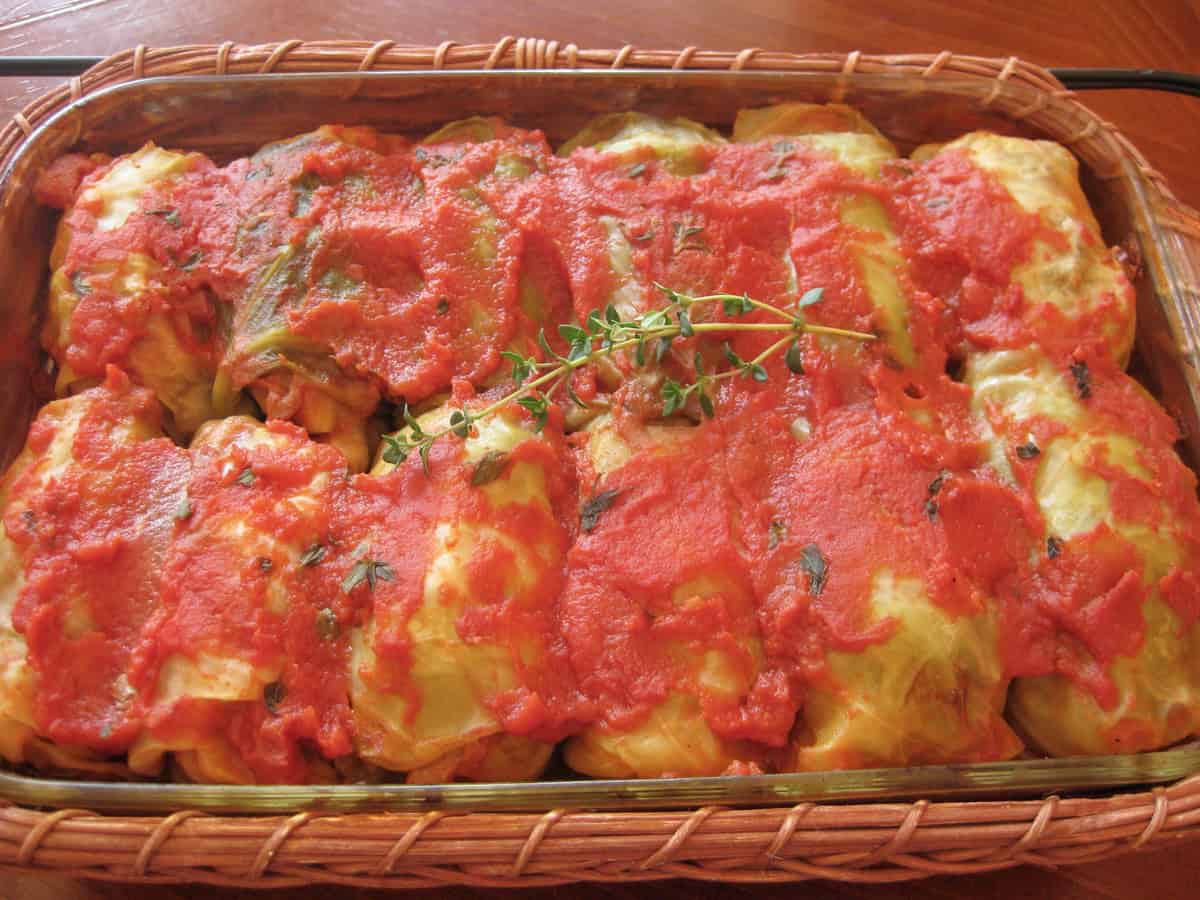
[{"x": 649, "y": 335}]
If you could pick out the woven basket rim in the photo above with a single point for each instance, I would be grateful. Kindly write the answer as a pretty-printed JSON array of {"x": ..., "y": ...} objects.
[{"x": 861, "y": 842}]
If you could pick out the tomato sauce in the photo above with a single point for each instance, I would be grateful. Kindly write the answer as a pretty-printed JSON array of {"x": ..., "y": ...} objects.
[{"x": 756, "y": 540}]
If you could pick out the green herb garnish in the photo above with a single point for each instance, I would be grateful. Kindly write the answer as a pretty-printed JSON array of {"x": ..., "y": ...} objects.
[{"x": 648, "y": 335}]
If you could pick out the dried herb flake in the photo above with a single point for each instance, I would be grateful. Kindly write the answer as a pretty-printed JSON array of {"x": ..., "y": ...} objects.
[
  {"x": 1083, "y": 379},
  {"x": 686, "y": 238},
  {"x": 168, "y": 215},
  {"x": 777, "y": 533},
  {"x": 1028, "y": 450},
  {"x": 273, "y": 695},
  {"x": 817, "y": 568},
  {"x": 590, "y": 512},
  {"x": 490, "y": 467},
  {"x": 368, "y": 570},
  {"x": 328, "y": 627},
  {"x": 313, "y": 555}
]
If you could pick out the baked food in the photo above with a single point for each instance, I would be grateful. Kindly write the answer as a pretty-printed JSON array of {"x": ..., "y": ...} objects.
[{"x": 556, "y": 450}]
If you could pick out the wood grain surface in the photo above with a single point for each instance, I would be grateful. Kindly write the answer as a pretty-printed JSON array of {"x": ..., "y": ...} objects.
[{"x": 1128, "y": 33}]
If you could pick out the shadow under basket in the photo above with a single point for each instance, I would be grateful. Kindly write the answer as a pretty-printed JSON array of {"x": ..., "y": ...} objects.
[{"x": 860, "y": 826}]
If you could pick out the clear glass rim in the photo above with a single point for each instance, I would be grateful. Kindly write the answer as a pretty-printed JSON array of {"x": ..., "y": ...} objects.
[{"x": 1007, "y": 780}]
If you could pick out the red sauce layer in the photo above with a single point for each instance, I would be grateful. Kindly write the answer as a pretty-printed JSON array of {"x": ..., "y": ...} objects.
[{"x": 758, "y": 537}]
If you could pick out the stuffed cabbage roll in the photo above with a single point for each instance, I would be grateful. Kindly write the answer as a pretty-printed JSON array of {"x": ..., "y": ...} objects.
[
  {"x": 455, "y": 660},
  {"x": 128, "y": 285},
  {"x": 1110, "y": 657},
  {"x": 89, "y": 512},
  {"x": 249, "y": 669},
  {"x": 621, "y": 238},
  {"x": 877, "y": 558},
  {"x": 678, "y": 143},
  {"x": 1022, "y": 258},
  {"x": 289, "y": 258},
  {"x": 659, "y": 612},
  {"x": 799, "y": 136},
  {"x": 379, "y": 268}
]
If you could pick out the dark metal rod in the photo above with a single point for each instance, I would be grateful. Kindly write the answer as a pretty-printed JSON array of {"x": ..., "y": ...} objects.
[
  {"x": 1123, "y": 79},
  {"x": 31, "y": 66}
]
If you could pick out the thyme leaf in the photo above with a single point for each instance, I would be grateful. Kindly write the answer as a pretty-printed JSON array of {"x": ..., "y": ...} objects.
[
  {"x": 648, "y": 336},
  {"x": 794, "y": 359}
]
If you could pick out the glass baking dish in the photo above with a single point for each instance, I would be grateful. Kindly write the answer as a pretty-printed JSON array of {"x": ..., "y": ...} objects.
[{"x": 232, "y": 115}]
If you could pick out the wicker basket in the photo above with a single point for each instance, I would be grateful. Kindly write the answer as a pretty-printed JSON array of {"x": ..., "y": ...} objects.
[{"x": 869, "y": 842}]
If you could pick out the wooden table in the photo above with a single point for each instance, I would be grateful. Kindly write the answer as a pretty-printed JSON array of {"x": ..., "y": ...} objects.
[{"x": 1133, "y": 33}]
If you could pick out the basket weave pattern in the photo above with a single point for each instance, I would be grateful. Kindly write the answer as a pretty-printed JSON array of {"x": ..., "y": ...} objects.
[{"x": 858, "y": 843}]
